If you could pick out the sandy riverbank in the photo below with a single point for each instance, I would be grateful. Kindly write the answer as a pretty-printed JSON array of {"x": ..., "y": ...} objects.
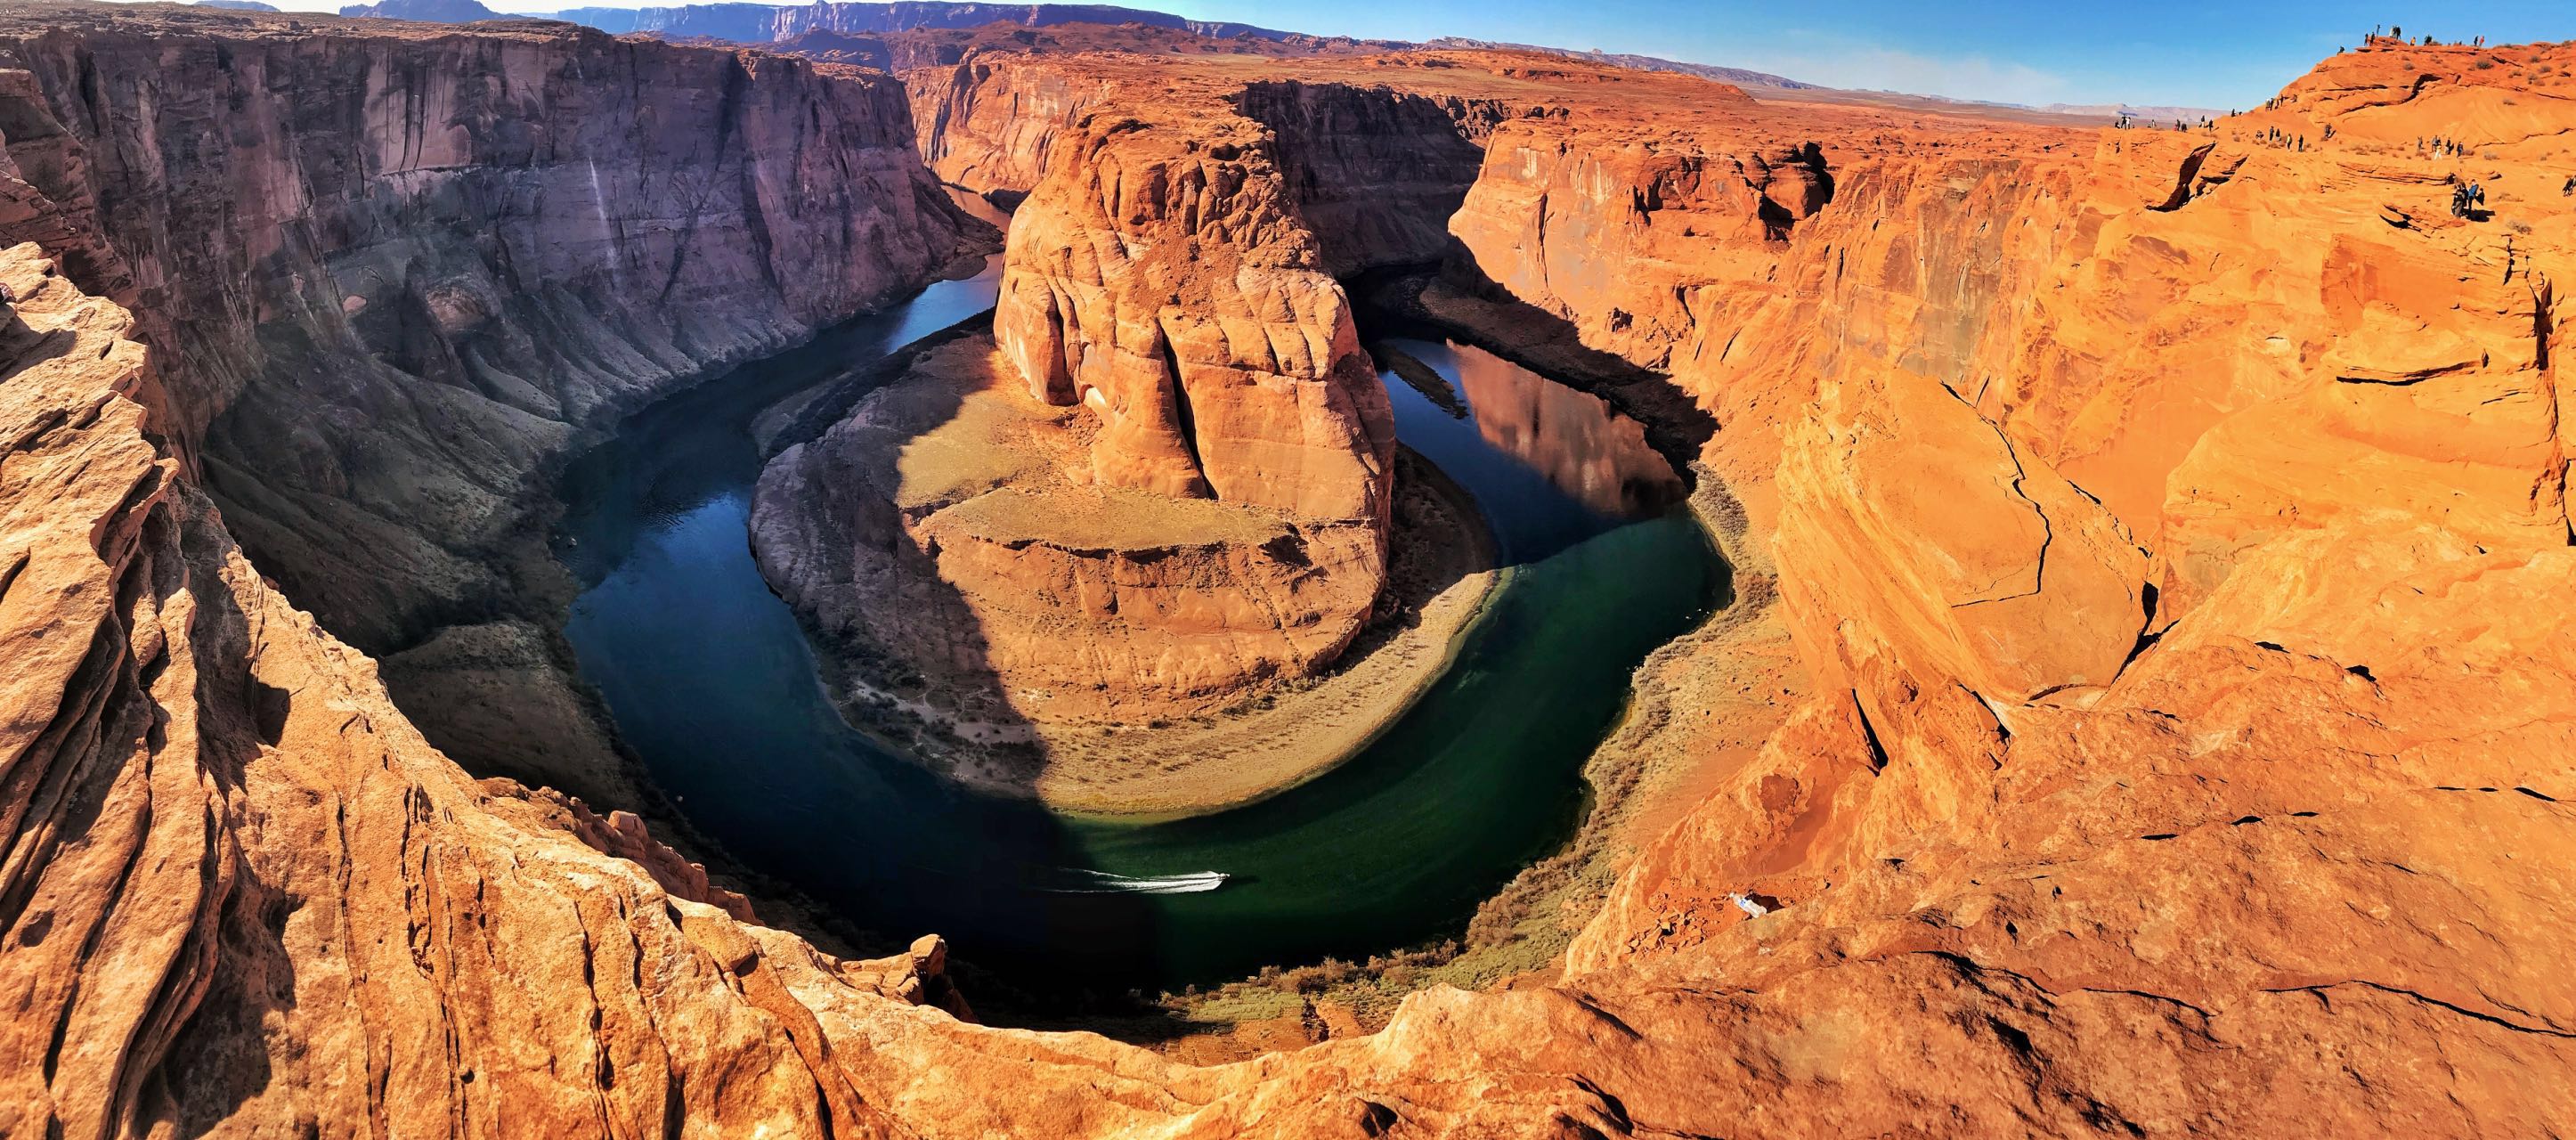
[{"x": 1442, "y": 572}]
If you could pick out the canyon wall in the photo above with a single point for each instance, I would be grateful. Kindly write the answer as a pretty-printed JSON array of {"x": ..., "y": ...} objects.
[
  {"x": 2165, "y": 522},
  {"x": 2028, "y": 847},
  {"x": 1374, "y": 172},
  {"x": 991, "y": 122},
  {"x": 390, "y": 270},
  {"x": 242, "y": 894}
]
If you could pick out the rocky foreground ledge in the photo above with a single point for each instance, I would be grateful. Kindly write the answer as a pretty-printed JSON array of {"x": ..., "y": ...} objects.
[{"x": 2272, "y": 848}]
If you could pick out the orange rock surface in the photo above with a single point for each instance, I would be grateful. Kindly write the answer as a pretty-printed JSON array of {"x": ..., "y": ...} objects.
[
  {"x": 1169, "y": 277},
  {"x": 2274, "y": 848},
  {"x": 395, "y": 273},
  {"x": 953, "y": 521}
]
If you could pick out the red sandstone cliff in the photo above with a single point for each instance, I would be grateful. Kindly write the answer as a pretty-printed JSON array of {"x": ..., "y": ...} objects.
[
  {"x": 2289, "y": 868},
  {"x": 390, "y": 270}
]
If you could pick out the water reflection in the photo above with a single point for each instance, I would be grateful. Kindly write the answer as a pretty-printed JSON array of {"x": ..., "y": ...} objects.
[
  {"x": 1572, "y": 438},
  {"x": 1551, "y": 465}
]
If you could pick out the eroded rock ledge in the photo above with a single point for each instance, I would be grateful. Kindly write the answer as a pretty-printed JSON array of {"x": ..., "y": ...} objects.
[
  {"x": 2292, "y": 870},
  {"x": 392, "y": 271}
]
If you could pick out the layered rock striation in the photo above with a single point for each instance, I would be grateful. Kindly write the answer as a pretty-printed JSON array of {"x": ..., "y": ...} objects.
[
  {"x": 2170, "y": 529},
  {"x": 390, "y": 271},
  {"x": 242, "y": 893}
]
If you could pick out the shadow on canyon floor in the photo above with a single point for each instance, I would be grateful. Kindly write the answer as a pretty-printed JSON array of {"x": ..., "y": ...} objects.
[{"x": 714, "y": 687}]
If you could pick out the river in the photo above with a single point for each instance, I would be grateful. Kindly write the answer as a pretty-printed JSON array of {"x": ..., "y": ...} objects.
[{"x": 712, "y": 684}]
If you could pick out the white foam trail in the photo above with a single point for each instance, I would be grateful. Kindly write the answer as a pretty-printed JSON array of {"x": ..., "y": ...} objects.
[{"x": 1102, "y": 882}]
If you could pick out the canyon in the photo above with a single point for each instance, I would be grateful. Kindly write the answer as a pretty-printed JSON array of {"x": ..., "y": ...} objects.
[
  {"x": 2144, "y": 705},
  {"x": 388, "y": 317},
  {"x": 1214, "y": 520}
]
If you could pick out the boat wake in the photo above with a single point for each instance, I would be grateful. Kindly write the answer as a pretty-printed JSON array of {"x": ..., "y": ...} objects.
[{"x": 1081, "y": 882}]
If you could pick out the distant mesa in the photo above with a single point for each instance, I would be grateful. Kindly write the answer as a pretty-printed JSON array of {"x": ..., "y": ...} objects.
[
  {"x": 1735, "y": 75},
  {"x": 426, "y": 11},
  {"x": 768, "y": 23},
  {"x": 238, "y": 5}
]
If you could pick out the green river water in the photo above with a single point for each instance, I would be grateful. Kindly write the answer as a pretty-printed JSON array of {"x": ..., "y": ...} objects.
[{"x": 711, "y": 682}]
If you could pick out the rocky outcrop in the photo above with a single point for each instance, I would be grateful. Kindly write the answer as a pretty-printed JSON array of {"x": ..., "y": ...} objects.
[
  {"x": 1171, "y": 274},
  {"x": 389, "y": 271},
  {"x": 1202, "y": 223},
  {"x": 1162, "y": 278},
  {"x": 1225, "y": 526},
  {"x": 951, "y": 526},
  {"x": 2286, "y": 863}
]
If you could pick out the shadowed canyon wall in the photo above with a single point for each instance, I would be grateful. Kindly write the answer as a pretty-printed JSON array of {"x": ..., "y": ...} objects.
[
  {"x": 389, "y": 271},
  {"x": 2271, "y": 849}
]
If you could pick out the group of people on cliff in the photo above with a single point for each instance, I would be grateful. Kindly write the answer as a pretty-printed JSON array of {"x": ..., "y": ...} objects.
[
  {"x": 2466, "y": 198},
  {"x": 2126, "y": 121},
  {"x": 2397, "y": 36}
]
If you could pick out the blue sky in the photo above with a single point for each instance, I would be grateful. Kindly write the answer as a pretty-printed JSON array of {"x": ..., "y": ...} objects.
[{"x": 2188, "y": 52}]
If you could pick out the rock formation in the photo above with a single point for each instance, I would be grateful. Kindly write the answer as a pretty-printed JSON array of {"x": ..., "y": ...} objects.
[
  {"x": 409, "y": 266},
  {"x": 1163, "y": 278},
  {"x": 1171, "y": 273},
  {"x": 2171, "y": 529},
  {"x": 955, "y": 524}
]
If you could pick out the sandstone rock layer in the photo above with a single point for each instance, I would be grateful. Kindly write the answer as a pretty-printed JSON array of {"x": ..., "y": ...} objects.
[
  {"x": 2272, "y": 848},
  {"x": 390, "y": 271}
]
